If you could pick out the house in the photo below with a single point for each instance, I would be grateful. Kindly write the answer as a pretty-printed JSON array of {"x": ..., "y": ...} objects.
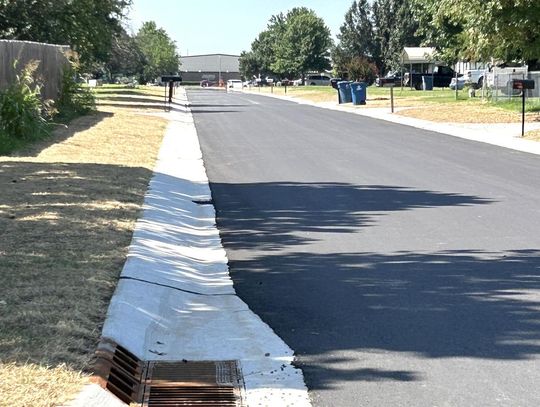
[{"x": 210, "y": 67}]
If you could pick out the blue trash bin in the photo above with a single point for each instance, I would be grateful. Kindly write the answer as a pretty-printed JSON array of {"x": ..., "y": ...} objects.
[
  {"x": 358, "y": 90},
  {"x": 427, "y": 82},
  {"x": 344, "y": 89}
]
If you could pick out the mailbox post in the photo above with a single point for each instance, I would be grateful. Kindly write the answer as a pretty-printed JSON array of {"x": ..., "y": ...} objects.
[
  {"x": 170, "y": 80},
  {"x": 391, "y": 86},
  {"x": 523, "y": 85}
]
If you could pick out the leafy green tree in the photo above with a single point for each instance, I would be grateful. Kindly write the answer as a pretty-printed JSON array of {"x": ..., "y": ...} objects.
[
  {"x": 479, "y": 30},
  {"x": 159, "y": 51},
  {"x": 356, "y": 36},
  {"x": 88, "y": 26},
  {"x": 126, "y": 58},
  {"x": 249, "y": 65},
  {"x": 394, "y": 27},
  {"x": 303, "y": 44}
]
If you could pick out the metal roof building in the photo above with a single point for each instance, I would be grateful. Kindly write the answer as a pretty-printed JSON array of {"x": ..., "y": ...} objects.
[{"x": 212, "y": 67}]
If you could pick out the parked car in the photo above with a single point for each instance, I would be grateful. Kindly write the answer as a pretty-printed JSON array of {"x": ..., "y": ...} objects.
[
  {"x": 475, "y": 77},
  {"x": 318, "y": 80},
  {"x": 461, "y": 81},
  {"x": 234, "y": 84},
  {"x": 206, "y": 83},
  {"x": 442, "y": 76}
]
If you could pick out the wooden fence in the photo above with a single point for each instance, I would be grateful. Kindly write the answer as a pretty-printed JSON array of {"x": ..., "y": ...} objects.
[{"x": 52, "y": 60}]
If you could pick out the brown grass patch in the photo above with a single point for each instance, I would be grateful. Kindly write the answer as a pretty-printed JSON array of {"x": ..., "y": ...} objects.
[
  {"x": 533, "y": 135},
  {"x": 466, "y": 113},
  {"x": 67, "y": 213}
]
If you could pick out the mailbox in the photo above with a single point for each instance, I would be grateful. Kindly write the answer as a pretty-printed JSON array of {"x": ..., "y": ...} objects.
[
  {"x": 389, "y": 84},
  {"x": 522, "y": 84},
  {"x": 171, "y": 78}
]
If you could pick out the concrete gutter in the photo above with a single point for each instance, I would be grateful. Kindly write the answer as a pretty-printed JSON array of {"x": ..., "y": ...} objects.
[{"x": 175, "y": 299}]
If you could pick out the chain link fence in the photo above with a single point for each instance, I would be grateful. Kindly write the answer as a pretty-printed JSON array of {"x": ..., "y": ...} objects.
[{"x": 499, "y": 81}]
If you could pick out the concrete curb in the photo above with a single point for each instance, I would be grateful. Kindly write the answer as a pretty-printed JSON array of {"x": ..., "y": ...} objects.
[{"x": 175, "y": 299}]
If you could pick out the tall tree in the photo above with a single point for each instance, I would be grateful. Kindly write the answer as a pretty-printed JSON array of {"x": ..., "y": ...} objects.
[
  {"x": 482, "y": 29},
  {"x": 356, "y": 36},
  {"x": 159, "y": 51},
  {"x": 249, "y": 65},
  {"x": 303, "y": 44},
  {"x": 394, "y": 27},
  {"x": 126, "y": 58},
  {"x": 88, "y": 26}
]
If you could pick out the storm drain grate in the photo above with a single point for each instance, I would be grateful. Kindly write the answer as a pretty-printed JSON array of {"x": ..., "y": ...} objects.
[
  {"x": 119, "y": 371},
  {"x": 163, "y": 383},
  {"x": 193, "y": 384}
]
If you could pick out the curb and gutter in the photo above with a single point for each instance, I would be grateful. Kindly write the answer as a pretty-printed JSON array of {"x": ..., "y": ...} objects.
[{"x": 175, "y": 300}]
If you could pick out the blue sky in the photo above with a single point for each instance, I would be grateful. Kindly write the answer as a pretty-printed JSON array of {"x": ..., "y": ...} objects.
[{"x": 229, "y": 27}]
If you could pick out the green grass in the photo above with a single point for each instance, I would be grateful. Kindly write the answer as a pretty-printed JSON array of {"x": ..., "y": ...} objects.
[{"x": 515, "y": 104}]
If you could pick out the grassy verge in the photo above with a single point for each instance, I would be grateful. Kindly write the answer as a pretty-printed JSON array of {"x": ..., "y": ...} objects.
[
  {"x": 439, "y": 105},
  {"x": 68, "y": 208}
]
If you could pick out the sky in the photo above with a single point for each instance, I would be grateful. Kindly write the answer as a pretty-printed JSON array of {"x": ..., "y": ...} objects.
[{"x": 228, "y": 27}]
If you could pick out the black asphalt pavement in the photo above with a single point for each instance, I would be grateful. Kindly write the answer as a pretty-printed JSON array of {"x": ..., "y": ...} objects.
[{"x": 402, "y": 266}]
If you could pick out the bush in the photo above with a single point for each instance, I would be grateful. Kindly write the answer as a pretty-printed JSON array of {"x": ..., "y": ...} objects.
[
  {"x": 74, "y": 99},
  {"x": 361, "y": 69},
  {"x": 22, "y": 112}
]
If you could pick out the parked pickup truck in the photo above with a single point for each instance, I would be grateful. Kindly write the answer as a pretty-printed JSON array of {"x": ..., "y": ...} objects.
[{"x": 442, "y": 76}]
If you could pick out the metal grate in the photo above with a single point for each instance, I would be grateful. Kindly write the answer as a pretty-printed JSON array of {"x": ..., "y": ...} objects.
[
  {"x": 119, "y": 371},
  {"x": 193, "y": 384},
  {"x": 165, "y": 384}
]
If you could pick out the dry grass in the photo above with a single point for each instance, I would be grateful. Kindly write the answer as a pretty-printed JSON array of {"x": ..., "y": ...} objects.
[
  {"x": 467, "y": 113},
  {"x": 533, "y": 135},
  {"x": 67, "y": 214}
]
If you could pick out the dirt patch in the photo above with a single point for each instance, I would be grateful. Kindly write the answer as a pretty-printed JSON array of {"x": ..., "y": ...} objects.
[{"x": 68, "y": 209}]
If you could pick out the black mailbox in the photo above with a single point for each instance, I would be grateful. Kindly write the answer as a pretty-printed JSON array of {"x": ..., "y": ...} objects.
[
  {"x": 171, "y": 78},
  {"x": 522, "y": 84}
]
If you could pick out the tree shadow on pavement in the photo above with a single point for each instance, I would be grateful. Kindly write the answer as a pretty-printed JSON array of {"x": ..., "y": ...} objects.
[{"x": 442, "y": 304}]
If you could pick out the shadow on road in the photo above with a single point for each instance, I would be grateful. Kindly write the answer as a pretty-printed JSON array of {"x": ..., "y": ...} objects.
[{"x": 442, "y": 304}]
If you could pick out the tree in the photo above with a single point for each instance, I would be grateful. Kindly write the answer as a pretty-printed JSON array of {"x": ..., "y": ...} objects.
[
  {"x": 356, "y": 34},
  {"x": 479, "y": 30},
  {"x": 88, "y": 26},
  {"x": 361, "y": 69},
  {"x": 126, "y": 58},
  {"x": 249, "y": 65},
  {"x": 159, "y": 51},
  {"x": 303, "y": 44},
  {"x": 394, "y": 27}
]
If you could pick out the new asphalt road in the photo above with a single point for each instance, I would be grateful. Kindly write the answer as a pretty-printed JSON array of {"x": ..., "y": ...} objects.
[{"x": 402, "y": 266}]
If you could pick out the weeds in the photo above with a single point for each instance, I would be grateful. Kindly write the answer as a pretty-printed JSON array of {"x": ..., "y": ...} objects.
[
  {"x": 74, "y": 99},
  {"x": 22, "y": 112}
]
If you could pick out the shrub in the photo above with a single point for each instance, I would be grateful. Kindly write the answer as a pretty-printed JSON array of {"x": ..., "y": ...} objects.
[
  {"x": 22, "y": 112},
  {"x": 74, "y": 99},
  {"x": 361, "y": 69}
]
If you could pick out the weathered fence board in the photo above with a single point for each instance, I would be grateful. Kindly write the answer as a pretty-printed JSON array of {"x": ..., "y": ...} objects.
[{"x": 52, "y": 60}]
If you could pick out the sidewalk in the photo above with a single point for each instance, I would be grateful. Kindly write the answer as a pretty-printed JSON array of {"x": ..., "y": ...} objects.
[
  {"x": 175, "y": 299},
  {"x": 504, "y": 135}
]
